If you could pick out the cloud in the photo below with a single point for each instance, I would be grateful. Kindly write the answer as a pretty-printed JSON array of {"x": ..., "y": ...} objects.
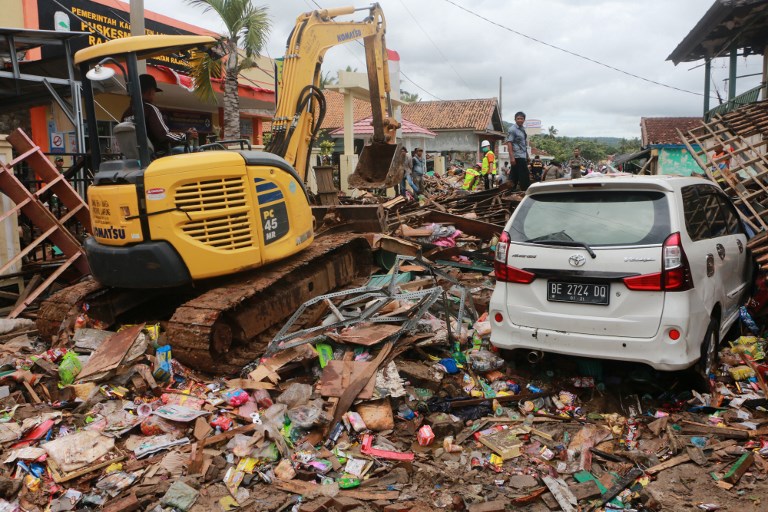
[{"x": 452, "y": 54}]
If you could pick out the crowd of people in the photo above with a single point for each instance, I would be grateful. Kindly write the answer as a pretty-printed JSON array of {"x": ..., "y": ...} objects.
[{"x": 519, "y": 172}]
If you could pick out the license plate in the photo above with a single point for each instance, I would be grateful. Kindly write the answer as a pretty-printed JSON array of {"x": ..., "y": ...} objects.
[{"x": 580, "y": 293}]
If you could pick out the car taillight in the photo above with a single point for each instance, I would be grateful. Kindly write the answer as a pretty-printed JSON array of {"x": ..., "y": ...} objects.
[
  {"x": 504, "y": 272},
  {"x": 675, "y": 275}
]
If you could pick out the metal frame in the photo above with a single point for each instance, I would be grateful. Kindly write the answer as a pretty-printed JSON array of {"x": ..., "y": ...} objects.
[{"x": 381, "y": 295}]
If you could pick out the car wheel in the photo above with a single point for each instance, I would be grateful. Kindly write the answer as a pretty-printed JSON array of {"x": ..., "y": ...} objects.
[{"x": 710, "y": 346}]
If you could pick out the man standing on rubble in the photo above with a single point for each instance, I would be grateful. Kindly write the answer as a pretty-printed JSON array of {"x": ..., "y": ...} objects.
[
  {"x": 419, "y": 167},
  {"x": 407, "y": 174},
  {"x": 517, "y": 146}
]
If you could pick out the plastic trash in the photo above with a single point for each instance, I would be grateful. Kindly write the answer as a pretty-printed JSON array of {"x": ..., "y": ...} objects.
[
  {"x": 69, "y": 368},
  {"x": 309, "y": 415},
  {"x": 262, "y": 398},
  {"x": 483, "y": 361},
  {"x": 425, "y": 436},
  {"x": 296, "y": 394},
  {"x": 236, "y": 397},
  {"x": 163, "y": 370}
]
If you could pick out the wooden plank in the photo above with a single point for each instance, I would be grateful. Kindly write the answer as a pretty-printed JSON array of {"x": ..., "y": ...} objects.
[
  {"x": 683, "y": 458},
  {"x": 229, "y": 434},
  {"x": 357, "y": 385},
  {"x": 127, "y": 504},
  {"x": 109, "y": 355},
  {"x": 562, "y": 494}
]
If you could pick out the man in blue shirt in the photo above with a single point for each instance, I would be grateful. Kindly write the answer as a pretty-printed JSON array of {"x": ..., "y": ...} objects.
[
  {"x": 517, "y": 146},
  {"x": 419, "y": 168}
]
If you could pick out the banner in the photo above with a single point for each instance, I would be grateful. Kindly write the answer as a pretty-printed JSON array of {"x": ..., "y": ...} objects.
[{"x": 103, "y": 23}]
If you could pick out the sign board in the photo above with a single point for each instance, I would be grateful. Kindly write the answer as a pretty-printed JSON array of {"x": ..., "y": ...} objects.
[
  {"x": 58, "y": 143},
  {"x": 183, "y": 120},
  {"x": 103, "y": 23},
  {"x": 532, "y": 123}
]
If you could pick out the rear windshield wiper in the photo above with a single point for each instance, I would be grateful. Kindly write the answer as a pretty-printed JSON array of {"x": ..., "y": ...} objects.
[{"x": 565, "y": 243}]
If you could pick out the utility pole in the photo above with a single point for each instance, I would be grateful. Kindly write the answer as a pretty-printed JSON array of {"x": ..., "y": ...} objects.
[
  {"x": 137, "y": 26},
  {"x": 501, "y": 110}
]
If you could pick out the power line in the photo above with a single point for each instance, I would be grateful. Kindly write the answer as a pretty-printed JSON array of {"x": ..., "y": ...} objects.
[
  {"x": 401, "y": 70},
  {"x": 420, "y": 87},
  {"x": 433, "y": 44},
  {"x": 569, "y": 52}
]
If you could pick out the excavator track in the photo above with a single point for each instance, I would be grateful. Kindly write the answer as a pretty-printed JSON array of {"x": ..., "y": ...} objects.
[{"x": 230, "y": 321}]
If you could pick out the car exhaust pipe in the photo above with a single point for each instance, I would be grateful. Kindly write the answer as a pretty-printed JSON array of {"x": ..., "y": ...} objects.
[{"x": 535, "y": 356}]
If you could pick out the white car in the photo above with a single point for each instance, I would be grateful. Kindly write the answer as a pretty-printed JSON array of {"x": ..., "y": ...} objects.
[{"x": 650, "y": 269}]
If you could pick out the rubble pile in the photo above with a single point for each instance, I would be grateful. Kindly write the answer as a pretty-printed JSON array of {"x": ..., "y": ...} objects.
[
  {"x": 393, "y": 401},
  {"x": 387, "y": 397}
]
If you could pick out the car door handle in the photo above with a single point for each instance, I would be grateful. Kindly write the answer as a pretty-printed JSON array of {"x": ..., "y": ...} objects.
[
  {"x": 710, "y": 265},
  {"x": 720, "y": 251}
]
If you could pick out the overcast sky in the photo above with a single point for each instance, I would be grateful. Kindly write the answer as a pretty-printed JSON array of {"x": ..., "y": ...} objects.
[{"x": 449, "y": 53}]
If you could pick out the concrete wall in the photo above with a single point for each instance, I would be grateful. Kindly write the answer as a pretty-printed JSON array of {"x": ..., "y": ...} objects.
[{"x": 454, "y": 141}]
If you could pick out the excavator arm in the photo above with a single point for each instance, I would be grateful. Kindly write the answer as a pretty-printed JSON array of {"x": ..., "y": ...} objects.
[{"x": 301, "y": 104}]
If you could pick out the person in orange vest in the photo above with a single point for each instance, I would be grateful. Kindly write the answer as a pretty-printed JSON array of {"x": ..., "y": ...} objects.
[
  {"x": 472, "y": 177},
  {"x": 489, "y": 165}
]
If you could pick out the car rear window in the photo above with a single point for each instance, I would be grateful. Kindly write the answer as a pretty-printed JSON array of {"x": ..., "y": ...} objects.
[{"x": 597, "y": 218}]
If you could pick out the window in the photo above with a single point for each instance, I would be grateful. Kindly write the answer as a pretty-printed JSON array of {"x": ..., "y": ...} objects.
[
  {"x": 695, "y": 214},
  {"x": 708, "y": 214},
  {"x": 714, "y": 212},
  {"x": 597, "y": 218},
  {"x": 732, "y": 220}
]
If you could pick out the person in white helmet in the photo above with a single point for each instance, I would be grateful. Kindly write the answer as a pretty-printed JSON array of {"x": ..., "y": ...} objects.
[
  {"x": 489, "y": 165},
  {"x": 517, "y": 145}
]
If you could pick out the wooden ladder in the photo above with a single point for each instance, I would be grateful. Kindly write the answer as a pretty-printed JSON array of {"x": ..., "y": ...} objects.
[{"x": 29, "y": 204}]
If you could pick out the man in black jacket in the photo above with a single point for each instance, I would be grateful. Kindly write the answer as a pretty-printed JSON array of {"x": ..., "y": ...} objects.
[{"x": 159, "y": 135}]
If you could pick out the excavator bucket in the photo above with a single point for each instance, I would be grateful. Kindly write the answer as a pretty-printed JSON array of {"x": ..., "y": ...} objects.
[{"x": 380, "y": 166}]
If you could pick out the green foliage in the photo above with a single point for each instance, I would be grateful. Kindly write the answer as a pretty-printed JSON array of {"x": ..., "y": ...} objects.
[
  {"x": 591, "y": 149},
  {"x": 326, "y": 147},
  {"x": 409, "y": 97},
  {"x": 246, "y": 28},
  {"x": 327, "y": 79}
]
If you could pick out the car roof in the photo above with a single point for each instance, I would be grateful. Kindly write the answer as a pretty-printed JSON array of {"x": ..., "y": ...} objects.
[{"x": 619, "y": 181}]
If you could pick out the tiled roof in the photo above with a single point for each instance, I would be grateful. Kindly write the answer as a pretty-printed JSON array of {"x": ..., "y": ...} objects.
[
  {"x": 334, "y": 110},
  {"x": 363, "y": 127},
  {"x": 453, "y": 114},
  {"x": 434, "y": 115},
  {"x": 663, "y": 130},
  {"x": 539, "y": 152}
]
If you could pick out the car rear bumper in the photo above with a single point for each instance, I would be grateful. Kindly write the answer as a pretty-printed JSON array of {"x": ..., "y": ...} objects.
[{"x": 660, "y": 352}]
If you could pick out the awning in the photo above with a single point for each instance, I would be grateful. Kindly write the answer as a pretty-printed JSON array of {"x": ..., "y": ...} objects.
[
  {"x": 645, "y": 153},
  {"x": 364, "y": 127}
]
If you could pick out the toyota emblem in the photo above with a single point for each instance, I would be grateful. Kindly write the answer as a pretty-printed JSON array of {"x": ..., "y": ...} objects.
[{"x": 577, "y": 260}]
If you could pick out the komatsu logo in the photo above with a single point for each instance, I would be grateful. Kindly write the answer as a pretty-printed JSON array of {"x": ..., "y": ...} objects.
[
  {"x": 109, "y": 233},
  {"x": 346, "y": 36}
]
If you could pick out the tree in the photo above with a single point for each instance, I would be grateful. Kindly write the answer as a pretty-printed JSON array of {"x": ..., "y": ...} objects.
[
  {"x": 552, "y": 132},
  {"x": 244, "y": 37},
  {"x": 409, "y": 97},
  {"x": 326, "y": 79}
]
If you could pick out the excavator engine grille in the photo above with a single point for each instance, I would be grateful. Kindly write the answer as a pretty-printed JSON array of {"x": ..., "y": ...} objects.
[
  {"x": 226, "y": 232},
  {"x": 224, "y": 199},
  {"x": 208, "y": 195}
]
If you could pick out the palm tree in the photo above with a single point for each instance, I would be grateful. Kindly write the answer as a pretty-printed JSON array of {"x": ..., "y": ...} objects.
[
  {"x": 552, "y": 132},
  {"x": 409, "y": 97},
  {"x": 244, "y": 37},
  {"x": 326, "y": 79}
]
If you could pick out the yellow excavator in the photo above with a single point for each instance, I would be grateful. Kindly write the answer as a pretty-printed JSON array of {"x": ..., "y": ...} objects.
[{"x": 219, "y": 241}]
